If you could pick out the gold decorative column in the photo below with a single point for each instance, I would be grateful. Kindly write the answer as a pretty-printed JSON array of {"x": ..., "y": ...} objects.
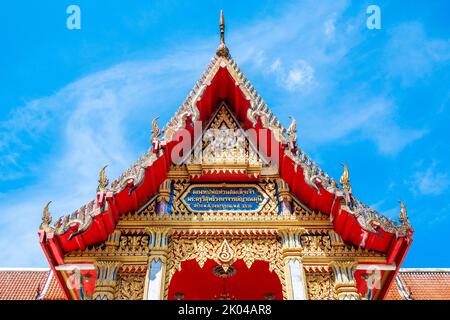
[
  {"x": 157, "y": 263},
  {"x": 292, "y": 261},
  {"x": 345, "y": 283},
  {"x": 105, "y": 284}
]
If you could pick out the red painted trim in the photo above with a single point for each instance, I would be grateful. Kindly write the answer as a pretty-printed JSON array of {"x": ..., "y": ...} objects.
[
  {"x": 51, "y": 262},
  {"x": 391, "y": 278}
]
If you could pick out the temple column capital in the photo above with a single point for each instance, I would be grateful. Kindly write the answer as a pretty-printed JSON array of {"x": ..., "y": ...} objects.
[
  {"x": 106, "y": 279},
  {"x": 345, "y": 282},
  {"x": 158, "y": 241},
  {"x": 291, "y": 241}
]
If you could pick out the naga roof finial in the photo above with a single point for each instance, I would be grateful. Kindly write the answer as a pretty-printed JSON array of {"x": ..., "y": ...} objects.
[
  {"x": 403, "y": 216},
  {"x": 222, "y": 50},
  {"x": 46, "y": 218},
  {"x": 102, "y": 180},
  {"x": 292, "y": 130},
  {"x": 345, "y": 179},
  {"x": 156, "y": 132}
]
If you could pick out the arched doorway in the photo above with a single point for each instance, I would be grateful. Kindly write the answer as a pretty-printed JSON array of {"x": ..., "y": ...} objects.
[{"x": 212, "y": 282}]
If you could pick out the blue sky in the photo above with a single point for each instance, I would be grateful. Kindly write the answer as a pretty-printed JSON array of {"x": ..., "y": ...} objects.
[{"x": 74, "y": 100}]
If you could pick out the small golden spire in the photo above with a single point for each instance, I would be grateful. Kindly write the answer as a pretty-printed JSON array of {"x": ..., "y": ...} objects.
[
  {"x": 345, "y": 179},
  {"x": 222, "y": 50}
]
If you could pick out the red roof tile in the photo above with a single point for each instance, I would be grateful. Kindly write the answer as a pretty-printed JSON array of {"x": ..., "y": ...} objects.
[
  {"x": 28, "y": 284},
  {"x": 394, "y": 293},
  {"x": 54, "y": 291},
  {"x": 422, "y": 284},
  {"x": 21, "y": 284}
]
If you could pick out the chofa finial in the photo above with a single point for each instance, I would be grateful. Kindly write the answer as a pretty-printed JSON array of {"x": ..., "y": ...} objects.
[
  {"x": 222, "y": 50},
  {"x": 292, "y": 130},
  {"x": 156, "y": 132},
  {"x": 46, "y": 218},
  {"x": 345, "y": 179},
  {"x": 403, "y": 216},
  {"x": 102, "y": 180}
]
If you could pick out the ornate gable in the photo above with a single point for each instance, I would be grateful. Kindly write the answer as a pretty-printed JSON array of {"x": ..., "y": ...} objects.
[{"x": 227, "y": 106}]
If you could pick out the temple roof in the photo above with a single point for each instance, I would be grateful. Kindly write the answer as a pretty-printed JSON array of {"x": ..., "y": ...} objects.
[{"x": 223, "y": 79}]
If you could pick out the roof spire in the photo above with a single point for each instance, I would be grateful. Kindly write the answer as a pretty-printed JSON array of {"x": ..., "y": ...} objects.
[
  {"x": 222, "y": 27},
  {"x": 222, "y": 50}
]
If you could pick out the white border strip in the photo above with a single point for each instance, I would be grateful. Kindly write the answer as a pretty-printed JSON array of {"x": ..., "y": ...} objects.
[
  {"x": 376, "y": 267},
  {"x": 70, "y": 267}
]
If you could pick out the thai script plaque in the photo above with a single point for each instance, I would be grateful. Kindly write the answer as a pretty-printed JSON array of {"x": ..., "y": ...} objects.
[{"x": 224, "y": 198}]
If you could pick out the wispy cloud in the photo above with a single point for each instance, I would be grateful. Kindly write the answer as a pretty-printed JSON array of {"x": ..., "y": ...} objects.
[
  {"x": 307, "y": 58},
  {"x": 297, "y": 77},
  {"x": 411, "y": 55},
  {"x": 429, "y": 182},
  {"x": 92, "y": 122}
]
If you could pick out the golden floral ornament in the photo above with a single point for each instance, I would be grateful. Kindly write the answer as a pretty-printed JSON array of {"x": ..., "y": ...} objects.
[
  {"x": 202, "y": 253},
  {"x": 320, "y": 286},
  {"x": 130, "y": 286}
]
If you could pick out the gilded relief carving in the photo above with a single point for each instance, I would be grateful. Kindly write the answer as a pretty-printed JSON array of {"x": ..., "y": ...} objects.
[
  {"x": 320, "y": 286},
  {"x": 225, "y": 250},
  {"x": 130, "y": 286}
]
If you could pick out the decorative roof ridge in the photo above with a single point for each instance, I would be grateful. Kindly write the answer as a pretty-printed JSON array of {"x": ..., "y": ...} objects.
[{"x": 368, "y": 218}]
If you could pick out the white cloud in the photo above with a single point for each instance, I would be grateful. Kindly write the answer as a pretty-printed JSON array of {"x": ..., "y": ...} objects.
[
  {"x": 429, "y": 182},
  {"x": 330, "y": 28},
  {"x": 297, "y": 77},
  {"x": 308, "y": 68},
  {"x": 357, "y": 116},
  {"x": 411, "y": 55},
  {"x": 92, "y": 120}
]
